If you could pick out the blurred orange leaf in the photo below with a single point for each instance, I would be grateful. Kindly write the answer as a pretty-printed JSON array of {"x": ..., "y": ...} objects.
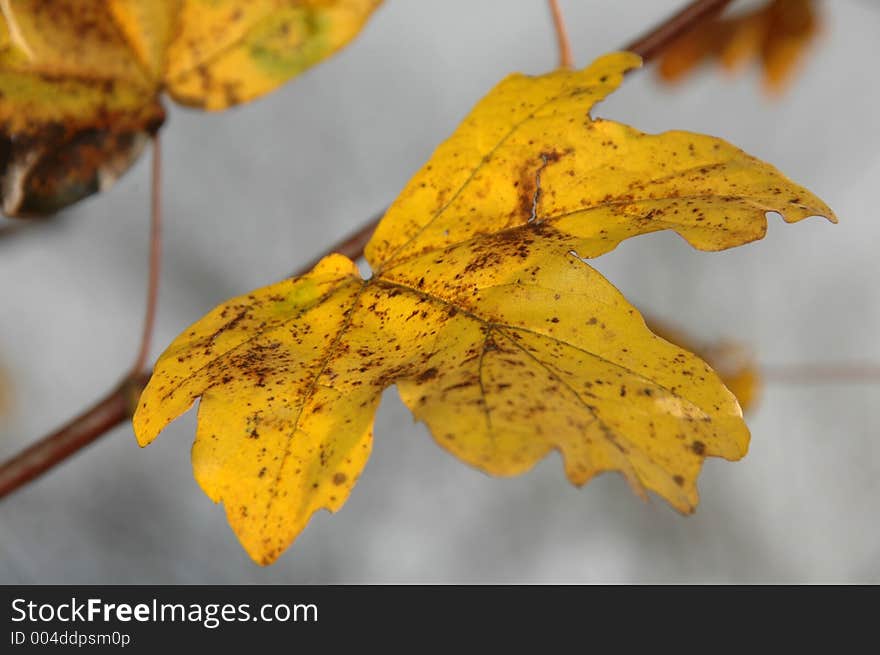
[{"x": 778, "y": 35}]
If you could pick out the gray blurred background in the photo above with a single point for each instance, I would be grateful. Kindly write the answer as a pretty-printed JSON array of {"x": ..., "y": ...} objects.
[{"x": 255, "y": 192}]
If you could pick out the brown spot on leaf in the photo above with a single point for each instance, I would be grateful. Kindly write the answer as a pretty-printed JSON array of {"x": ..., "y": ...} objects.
[{"x": 429, "y": 374}]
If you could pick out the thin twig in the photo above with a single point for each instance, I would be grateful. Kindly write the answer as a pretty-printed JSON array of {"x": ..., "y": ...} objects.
[
  {"x": 653, "y": 43},
  {"x": 565, "y": 58},
  {"x": 116, "y": 407},
  {"x": 822, "y": 374},
  {"x": 155, "y": 265}
]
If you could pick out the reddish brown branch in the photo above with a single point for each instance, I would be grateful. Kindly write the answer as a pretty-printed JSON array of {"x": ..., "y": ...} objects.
[
  {"x": 351, "y": 246},
  {"x": 566, "y": 60},
  {"x": 78, "y": 433},
  {"x": 117, "y": 406},
  {"x": 652, "y": 43}
]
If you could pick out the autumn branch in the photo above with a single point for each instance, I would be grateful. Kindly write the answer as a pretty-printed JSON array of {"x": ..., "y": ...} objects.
[
  {"x": 76, "y": 434},
  {"x": 119, "y": 404},
  {"x": 653, "y": 43}
]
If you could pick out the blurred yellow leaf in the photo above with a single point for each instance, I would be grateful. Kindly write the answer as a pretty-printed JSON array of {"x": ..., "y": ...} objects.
[
  {"x": 734, "y": 362},
  {"x": 80, "y": 80},
  {"x": 483, "y": 312},
  {"x": 778, "y": 34}
]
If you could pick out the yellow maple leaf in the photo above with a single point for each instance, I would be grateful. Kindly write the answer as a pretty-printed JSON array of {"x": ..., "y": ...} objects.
[
  {"x": 80, "y": 80},
  {"x": 483, "y": 312}
]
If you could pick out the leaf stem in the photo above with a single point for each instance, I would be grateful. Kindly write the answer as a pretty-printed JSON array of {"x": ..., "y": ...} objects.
[
  {"x": 155, "y": 265},
  {"x": 565, "y": 58},
  {"x": 117, "y": 406}
]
